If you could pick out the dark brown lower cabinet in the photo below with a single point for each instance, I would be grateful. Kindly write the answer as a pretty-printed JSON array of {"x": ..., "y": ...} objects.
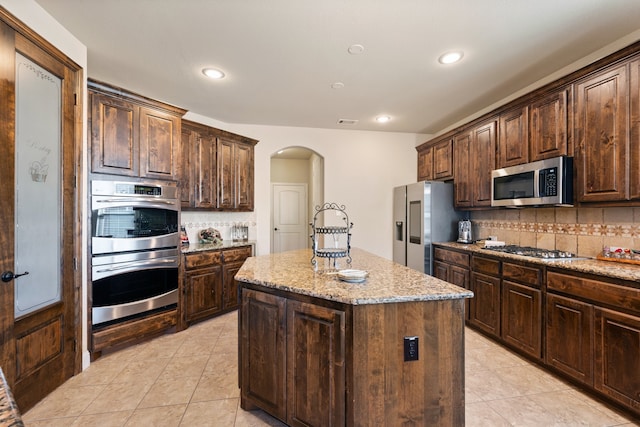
[
  {"x": 617, "y": 356},
  {"x": 314, "y": 362},
  {"x": 292, "y": 359},
  {"x": 453, "y": 267},
  {"x": 208, "y": 285},
  {"x": 521, "y": 317},
  {"x": 521, "y": 309},
  {"x": 569, "y": 340},
  {"x": 485, "y": 306},
  {"x": 204, "y": 292},
  {"x": 263, "y": 376},
  {"x": 315, "y": 365}
]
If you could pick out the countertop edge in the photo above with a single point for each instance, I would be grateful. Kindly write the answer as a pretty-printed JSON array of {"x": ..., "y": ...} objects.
[{"x": 605, "y": 269}]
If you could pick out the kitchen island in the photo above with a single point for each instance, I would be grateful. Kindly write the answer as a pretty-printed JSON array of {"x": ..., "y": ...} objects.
[{"x": 315, "y": 350}]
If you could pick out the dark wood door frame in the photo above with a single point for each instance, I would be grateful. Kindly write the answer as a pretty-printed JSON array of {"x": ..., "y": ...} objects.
[{"x": 12, "y": 32}]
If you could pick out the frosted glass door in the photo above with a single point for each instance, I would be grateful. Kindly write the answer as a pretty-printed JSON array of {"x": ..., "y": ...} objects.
[{"x": 37, "y": 186}]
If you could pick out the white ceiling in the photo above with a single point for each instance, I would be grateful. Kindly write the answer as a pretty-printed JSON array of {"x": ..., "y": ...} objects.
[{"x": 282, "y": 56}]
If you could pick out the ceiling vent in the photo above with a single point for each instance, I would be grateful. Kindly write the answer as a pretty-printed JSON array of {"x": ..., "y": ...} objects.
[{"x": 347, "y": 121}]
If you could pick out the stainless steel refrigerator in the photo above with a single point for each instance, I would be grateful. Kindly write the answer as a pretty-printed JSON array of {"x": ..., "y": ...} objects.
[{"x": 423, "y": 213}]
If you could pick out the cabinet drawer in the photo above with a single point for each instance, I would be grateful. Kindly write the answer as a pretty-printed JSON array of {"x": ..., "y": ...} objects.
[
  {"x": 519, "y": 273},
  {"x": 486, "y": 265},
  {"x": 452, "y": 257},
  {"x": 623, "y": 297},
  {"x": 202, "y": 259},
  {"x": 238, "y": 254}
]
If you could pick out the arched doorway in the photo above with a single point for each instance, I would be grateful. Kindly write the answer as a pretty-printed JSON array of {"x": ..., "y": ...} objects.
[{"x": 297, "y": 185}]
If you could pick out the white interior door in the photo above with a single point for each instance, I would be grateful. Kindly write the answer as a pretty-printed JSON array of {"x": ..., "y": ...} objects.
[{"x": 290, "y": 223}]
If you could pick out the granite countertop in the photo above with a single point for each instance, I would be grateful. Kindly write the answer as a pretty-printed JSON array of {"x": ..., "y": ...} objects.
[
  {"x": 616, "y": 270},
  {"x": 9, "y": 413},
  {"x": 387, "y": 282},
  {"x": 225, "y": 244}
]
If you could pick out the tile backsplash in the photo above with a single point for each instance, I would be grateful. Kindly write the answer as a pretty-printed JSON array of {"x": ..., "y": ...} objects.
[
  {"x": 584, "y": 231},
  {"x": 194, "y": 221}
]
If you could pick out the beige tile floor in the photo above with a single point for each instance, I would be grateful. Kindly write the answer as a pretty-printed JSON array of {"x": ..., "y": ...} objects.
[{"x": 190, "y": 379}]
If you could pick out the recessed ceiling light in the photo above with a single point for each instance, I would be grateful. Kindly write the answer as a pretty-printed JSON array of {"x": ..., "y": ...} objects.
[
  {"x": 213, "y": 73},
  {"x": 356, "y": 49},
  {"x": 337, "y": 85},
  {"x": 450, "y": 57},
  {"x": 383, "y": 119}
]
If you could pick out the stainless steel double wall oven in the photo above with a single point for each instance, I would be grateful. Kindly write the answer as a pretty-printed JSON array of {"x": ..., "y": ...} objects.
[{"x": 135, "y": 248}]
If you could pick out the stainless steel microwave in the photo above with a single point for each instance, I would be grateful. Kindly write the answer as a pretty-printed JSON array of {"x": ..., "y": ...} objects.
[{"x": 545, "y": 182}]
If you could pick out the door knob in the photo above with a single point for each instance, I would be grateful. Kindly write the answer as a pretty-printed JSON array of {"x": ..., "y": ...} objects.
[
  {"x": 8, "y": 276},
  {"x": 275, "y": 229}
]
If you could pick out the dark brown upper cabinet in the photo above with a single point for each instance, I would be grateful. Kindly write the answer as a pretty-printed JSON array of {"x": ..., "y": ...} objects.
[
  {"x": 548, "y": 126},
  {"x": 217, "y": 169},
  {"x": 513, "y": 147},
  {"x": 602, "y": 138},
  {"x": 435, "y": 161},
  {"x": 131, "y": 135}
]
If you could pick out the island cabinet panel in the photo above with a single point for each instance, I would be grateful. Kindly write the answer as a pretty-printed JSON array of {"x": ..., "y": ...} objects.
[
  {"x": 315, "y": 365},
  {"x": 569, "y": 337},
  {"x": 601, "y": 130},
  {"x": 617, "y": 356},
  {"x": 548, "y": 123},
  {"x": 386, "y": 390},
  {"x": 263, "y": 376},
  {"x": 513, "y": 144}
]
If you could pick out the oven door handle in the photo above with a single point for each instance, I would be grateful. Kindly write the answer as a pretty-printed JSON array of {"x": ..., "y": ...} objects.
[
  {"x": 130, "y": 199},
  {"x": 146, "y": 264}
]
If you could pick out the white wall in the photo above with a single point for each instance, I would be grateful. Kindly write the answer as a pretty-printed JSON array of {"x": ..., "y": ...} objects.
[{"x": 360, "y": 169}]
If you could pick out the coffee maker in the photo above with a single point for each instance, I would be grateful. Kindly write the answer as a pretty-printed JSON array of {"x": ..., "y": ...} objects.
[{"x": 464, "y": 232}]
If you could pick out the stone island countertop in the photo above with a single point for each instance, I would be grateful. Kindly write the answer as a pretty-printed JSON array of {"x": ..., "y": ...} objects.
[
  {"x": 610, "y": 269},
  {"x": 387, "y": 281},
  {"x": 9, "y": 413}
]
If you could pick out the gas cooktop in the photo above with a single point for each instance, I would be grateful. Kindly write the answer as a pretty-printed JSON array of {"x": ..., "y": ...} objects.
[{"x": 545, "y": 254}]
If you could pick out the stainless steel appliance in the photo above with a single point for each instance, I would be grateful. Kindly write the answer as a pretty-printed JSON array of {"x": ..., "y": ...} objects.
[
  {"x": 135, "y": 239},
  {"x": 545, "y": 182},
  {"x": 465, "y": 235},
  {"x": 544, "y": 254},
  {"x": 422, "y": 214}
]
